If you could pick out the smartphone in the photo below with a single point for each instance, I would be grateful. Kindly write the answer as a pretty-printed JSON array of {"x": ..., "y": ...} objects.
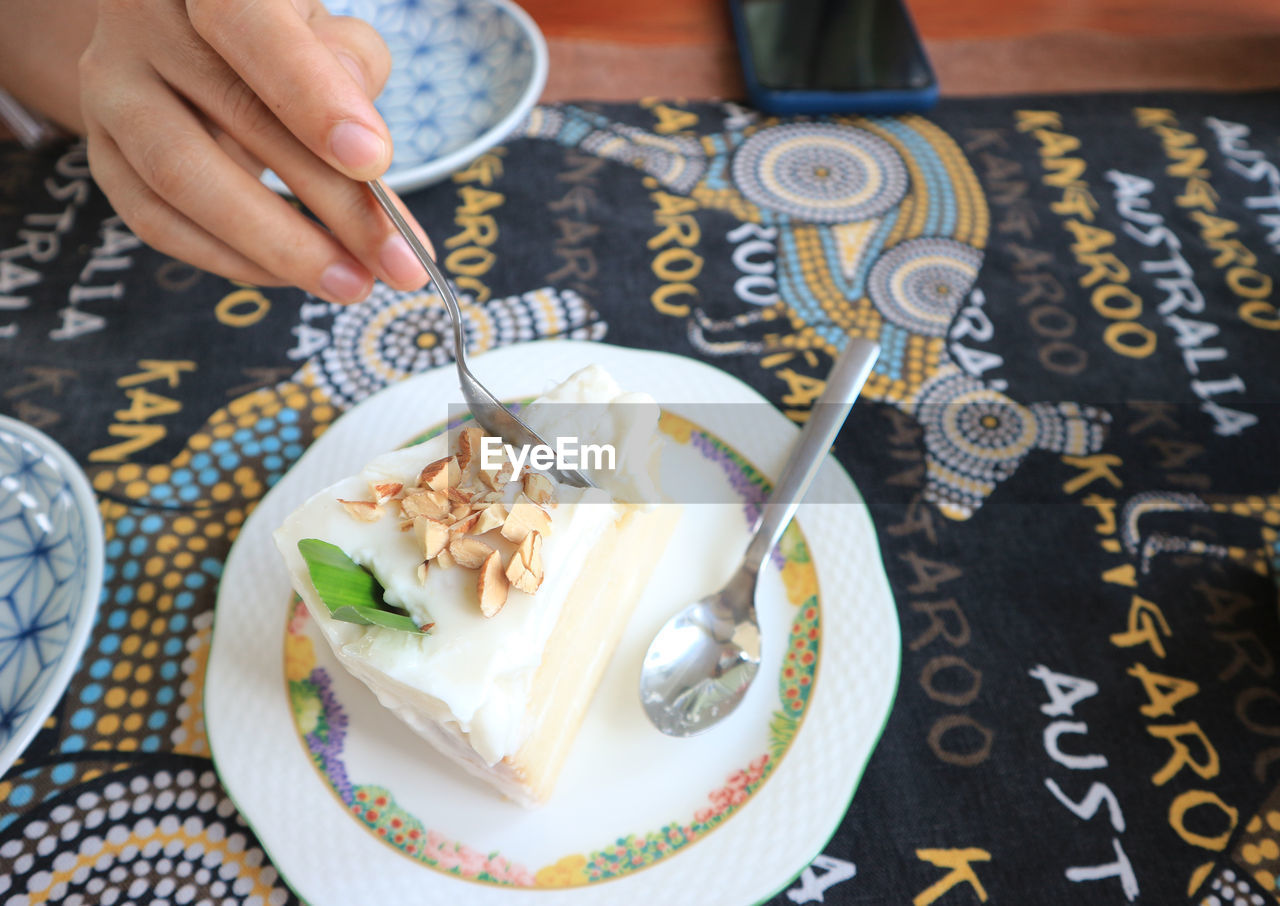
[{"x": 832, "y": 56}]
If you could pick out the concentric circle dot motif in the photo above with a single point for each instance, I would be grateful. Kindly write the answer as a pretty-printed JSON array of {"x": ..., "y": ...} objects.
[
  {"x": 975, "y": 429},
  {"x": 172, "y": 837},
  {"x": 920, "y": 284},
  {"x": 820, "y": 172},
  {"x": 975, "y": 437},
  {"x": 393, "y": 334},
  {"x": 43, "y": 565}
]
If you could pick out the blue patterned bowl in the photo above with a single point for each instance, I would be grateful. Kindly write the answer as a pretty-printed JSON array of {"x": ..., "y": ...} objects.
[
  {"x": 463, "y": 74},
  {"x": 50, "y": 578}
]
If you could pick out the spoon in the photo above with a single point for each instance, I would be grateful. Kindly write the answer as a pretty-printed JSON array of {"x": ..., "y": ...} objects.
[
  {"x": 700, "y": 664},
  {"x": 495, "y": 418}
]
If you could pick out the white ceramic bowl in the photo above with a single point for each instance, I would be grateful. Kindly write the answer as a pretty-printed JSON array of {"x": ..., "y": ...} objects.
[
  {"x": 464, "y": 73},
  {"x": 50, "y": 579}
]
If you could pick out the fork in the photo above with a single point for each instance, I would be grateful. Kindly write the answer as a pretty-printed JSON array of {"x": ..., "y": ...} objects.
[{"x": 491, "y": 415}]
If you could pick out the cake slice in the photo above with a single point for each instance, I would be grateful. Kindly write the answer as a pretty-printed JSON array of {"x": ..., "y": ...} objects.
[{"x": 503, "y": 594}]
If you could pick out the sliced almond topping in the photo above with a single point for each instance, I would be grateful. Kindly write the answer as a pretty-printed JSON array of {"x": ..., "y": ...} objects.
[
  {"x": 406, "y": 525},
  {"x": 457, "y": 495},
  {"x": 364, "y": 510},
  {"x": 469, "y": 448},
  {"x": 466, "y": 525},
  {"x": 530, "y": 550},
  {"x": 425, "y": 502},
  {"x": 535, "y": 559},
  {"x": 496, "y": 478},
  {"x": 525, "y": 571},
  {"x": 539, "y": 489},
  {"x": 459, "y": 512},
  {"x": 492, "y": 585},
  {"x": 432, "y": 534},
  {"x": 469, "y": 552},
  {"x": 422, "y": 573},
  {"x": 386, "y": 491},
  {"x": 444, "y": 560},
  {"x": 490, "y": 518},
  {"x": 525, "y": 517},
  {"x": 518, "y": 574},
  {"x": 439, "y": 475}
]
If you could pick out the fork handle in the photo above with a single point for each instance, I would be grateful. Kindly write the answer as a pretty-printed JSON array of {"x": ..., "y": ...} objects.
[
  {"x": 424, "y": 257},
  {"x": 827, "y": 416}
]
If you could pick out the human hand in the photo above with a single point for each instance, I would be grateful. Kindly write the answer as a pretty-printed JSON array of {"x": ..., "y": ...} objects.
[{"x": 185, "y": 104}]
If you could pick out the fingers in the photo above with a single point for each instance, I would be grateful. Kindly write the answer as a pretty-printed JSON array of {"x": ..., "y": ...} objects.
[
  {"x": 300, "y": 80},
  {"x": 358, "y": 47},
  {"x": 236, "y": 151},
  {"x": 175, "y": 157},
  {"x": 157, "y": 224},
  {"x": 183, "y": 131},
  {"x": 413, "y": 222},
  {"x": 346, "y": 206}
]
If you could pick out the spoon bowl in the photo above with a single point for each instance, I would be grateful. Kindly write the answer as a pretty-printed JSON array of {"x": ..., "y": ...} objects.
[
  {"x": 701, "y": 663},
  {"x": 708, "y": 656}
]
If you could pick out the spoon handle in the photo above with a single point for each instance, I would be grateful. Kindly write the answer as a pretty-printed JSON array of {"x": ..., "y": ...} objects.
[{"x": 849, "y": 373}]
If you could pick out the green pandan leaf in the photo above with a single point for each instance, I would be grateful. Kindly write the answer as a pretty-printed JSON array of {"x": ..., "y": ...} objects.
[
  {"x": 339, "y": 579},
  {"x": 350, "y": 591},
  {"x": 369, "y": 616}
]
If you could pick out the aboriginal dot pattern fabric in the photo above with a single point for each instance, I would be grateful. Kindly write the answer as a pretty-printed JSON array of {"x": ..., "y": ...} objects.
[
  {"x": 1066, "y": 447},
  {"x": 394, "y": 335},
  {"x": 820, "y": 172}
]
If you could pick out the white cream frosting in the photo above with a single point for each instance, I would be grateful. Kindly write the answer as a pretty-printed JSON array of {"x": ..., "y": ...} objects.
[
  {"x": 473, "y": 671},
  {"x": 592, "y": 407}
]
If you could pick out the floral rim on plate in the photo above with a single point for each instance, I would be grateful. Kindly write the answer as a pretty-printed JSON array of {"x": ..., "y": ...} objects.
[{"x": 321, "y": 723}]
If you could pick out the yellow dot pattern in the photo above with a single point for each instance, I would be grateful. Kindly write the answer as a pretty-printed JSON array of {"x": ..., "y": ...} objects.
[
  {"x": 1257, "y": 851},
  {"x": 858, "y": 317},
  {"x": 237, "y": 443},
  {"x": 730, "y": 200},
  {"x": 973, "y": 217},
  {"x": 138, "y": 690},
  {"x": 189, "y": 737},
  {"x": 1263, "y": 509},
  {"x": 913, "y": 210},
  {"x": 140, "y": 685}
]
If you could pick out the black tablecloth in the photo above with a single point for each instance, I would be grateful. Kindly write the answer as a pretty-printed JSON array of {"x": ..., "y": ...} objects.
[{"x": 1069, "y": 448}]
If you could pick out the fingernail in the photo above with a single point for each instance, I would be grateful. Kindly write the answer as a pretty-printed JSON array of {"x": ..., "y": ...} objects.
[
  {"x": 356, "y": 147},
  {"x": 399, "y": 261},
  {"x": 343, "y": 283},
  {"x": 354, "y": 68}
]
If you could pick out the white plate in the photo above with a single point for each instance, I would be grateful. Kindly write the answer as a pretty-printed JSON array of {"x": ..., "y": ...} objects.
[
  {"x": 50, "y": 578},
  {"x": 319, "y": 769}
]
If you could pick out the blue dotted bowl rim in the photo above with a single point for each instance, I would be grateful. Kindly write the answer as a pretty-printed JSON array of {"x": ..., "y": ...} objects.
[
  {"x": 403, "y": 179},
  {"x": 86, "y": 504}
]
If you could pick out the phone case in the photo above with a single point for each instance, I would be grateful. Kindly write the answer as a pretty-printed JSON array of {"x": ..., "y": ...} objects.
[{"x": 787, "y": 102}]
